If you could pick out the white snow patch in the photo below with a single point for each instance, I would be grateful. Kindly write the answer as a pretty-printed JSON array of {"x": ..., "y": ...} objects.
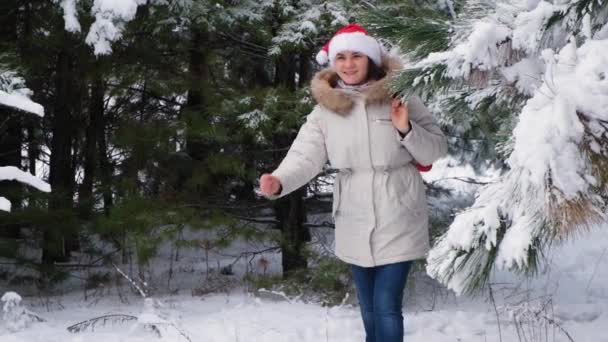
[
  {"x": 20, "y": 101},
  {"x": 110, "y": 17},
  {"x": 70, "y": 15}
]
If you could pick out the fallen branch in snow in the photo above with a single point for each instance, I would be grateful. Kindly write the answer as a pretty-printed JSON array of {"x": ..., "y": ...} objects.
[
  {"x": 462, "y": 179},
  {"x": 151, "y": 319},
  {"x": 276, "y": 294},
  {"x": 90, "y": 323}
]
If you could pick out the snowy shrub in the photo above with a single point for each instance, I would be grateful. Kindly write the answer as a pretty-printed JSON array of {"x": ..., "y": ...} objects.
[
  {"x": 14, "y": 316},
  {"x": 327, "y": 281},
  {"x": 534, "y": 321},
  {"x": 216, "y": 280}
]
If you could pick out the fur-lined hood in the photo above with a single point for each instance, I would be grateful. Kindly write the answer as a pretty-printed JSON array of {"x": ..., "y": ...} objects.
[{"x": 341, "y": 102}]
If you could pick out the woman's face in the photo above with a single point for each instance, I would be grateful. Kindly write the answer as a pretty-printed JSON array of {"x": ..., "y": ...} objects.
[{"x": 351, "y": 67}]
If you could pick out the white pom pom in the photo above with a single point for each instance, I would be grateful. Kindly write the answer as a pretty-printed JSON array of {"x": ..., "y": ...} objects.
[{"x": 322, "y": 57}]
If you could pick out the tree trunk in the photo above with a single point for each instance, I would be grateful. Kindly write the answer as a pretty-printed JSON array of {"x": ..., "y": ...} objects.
[
  {"x": 33, "y": 148},
  {"x": 291, "y": 215},
  {"x": 91, "y": 154},
  {"x": 105, "y": 168},
  {"x": 198, "y": 92},
  {"x": 304, "y": 69},
  {"x": 291, "y": 212},
  {"x": 61, "y": 177},
  {"x": 285, "y": 72}
]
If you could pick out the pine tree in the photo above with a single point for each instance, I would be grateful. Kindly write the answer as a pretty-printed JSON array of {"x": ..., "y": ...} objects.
[
  {"x": 160, "y": 117},
  {"x": 520, "y": 82}
]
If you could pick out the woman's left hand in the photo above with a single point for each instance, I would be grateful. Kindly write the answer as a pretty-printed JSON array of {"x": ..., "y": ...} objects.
[{"x": 400, "y": 116}]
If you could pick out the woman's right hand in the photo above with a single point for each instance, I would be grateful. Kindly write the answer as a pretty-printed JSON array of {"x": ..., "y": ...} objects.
[{"x": 269, "y": 184}]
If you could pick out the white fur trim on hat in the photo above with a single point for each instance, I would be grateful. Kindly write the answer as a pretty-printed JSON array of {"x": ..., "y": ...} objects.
[
  {"x": 355, "y": 41},
  {"x": 322, "y": 57}
]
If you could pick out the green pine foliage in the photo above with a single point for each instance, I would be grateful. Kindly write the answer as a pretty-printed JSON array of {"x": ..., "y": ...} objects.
[
  {"x": 417, "y": 28},
  {"x": 230, "y": 75},
  {"x": 422, "y": 81},
  {"x": 422, "y": 28}
]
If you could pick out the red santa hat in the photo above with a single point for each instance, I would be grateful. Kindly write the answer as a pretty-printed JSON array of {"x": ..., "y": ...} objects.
[{"x": 351, "y": 37}]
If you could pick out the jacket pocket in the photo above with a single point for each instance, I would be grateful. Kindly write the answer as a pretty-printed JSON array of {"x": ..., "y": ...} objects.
[
  {"x": 410, "y": 191},
  {"x": 383, "y": 121},
  {"x": 341, "y": 181}
]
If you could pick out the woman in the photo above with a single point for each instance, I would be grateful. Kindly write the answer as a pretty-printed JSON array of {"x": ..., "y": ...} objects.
[{"x": 379, "y": 203}]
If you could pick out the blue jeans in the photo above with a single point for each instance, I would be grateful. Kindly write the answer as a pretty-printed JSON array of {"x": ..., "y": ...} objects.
[{"x": 380, "y": 293}]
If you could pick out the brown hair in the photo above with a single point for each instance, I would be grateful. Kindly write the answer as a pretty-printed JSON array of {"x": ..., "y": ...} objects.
[{"x": 374, "y": 72}]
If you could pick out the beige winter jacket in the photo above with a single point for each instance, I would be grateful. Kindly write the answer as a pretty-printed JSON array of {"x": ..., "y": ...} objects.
[{"x": 379, "y": 201}]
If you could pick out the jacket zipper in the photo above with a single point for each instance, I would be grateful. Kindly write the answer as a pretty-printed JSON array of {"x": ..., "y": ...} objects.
[{"x": 371, "y": 164}]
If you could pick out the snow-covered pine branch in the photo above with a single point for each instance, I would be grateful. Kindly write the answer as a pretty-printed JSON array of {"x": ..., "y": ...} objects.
[
  {"x": 110, "y": 18},
  {"x": 13, "y": 173},
  {"x": 307, "y": 21},
  {"x": 556, "y": 183},
  {"x": 15, "y": 95}
]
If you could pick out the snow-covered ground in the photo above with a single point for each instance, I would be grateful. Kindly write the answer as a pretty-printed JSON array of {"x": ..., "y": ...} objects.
[{"x": 574, "y": 289}]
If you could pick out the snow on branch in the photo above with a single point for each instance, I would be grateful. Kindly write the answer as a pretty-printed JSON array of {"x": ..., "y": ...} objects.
[
  {"x": 15, "y": 316},
  {"x": 307, "y": 23},
  {"x": 110, "y": 18},
  {"x": 13, "y": 173},
  {"x": 139, "y": 288},
  {"x": 21, "y": 102},
  {"x": 556, "y": 184},
  {"x": 14, "y": 94},
  {"x": 5, "y": 204},
  {"x": 70, "y": 15},
  {"x": 8, "y": 173}
]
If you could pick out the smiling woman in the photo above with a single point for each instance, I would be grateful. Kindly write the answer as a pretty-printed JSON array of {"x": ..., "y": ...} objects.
[
  {"x": 352, "y": 67},
  {"x": 376, "y": 142},
  {"x": 355, "y": 68}
]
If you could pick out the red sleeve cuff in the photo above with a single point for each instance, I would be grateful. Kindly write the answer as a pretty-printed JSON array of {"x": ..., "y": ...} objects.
[{"x": 424, "y": 168}]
